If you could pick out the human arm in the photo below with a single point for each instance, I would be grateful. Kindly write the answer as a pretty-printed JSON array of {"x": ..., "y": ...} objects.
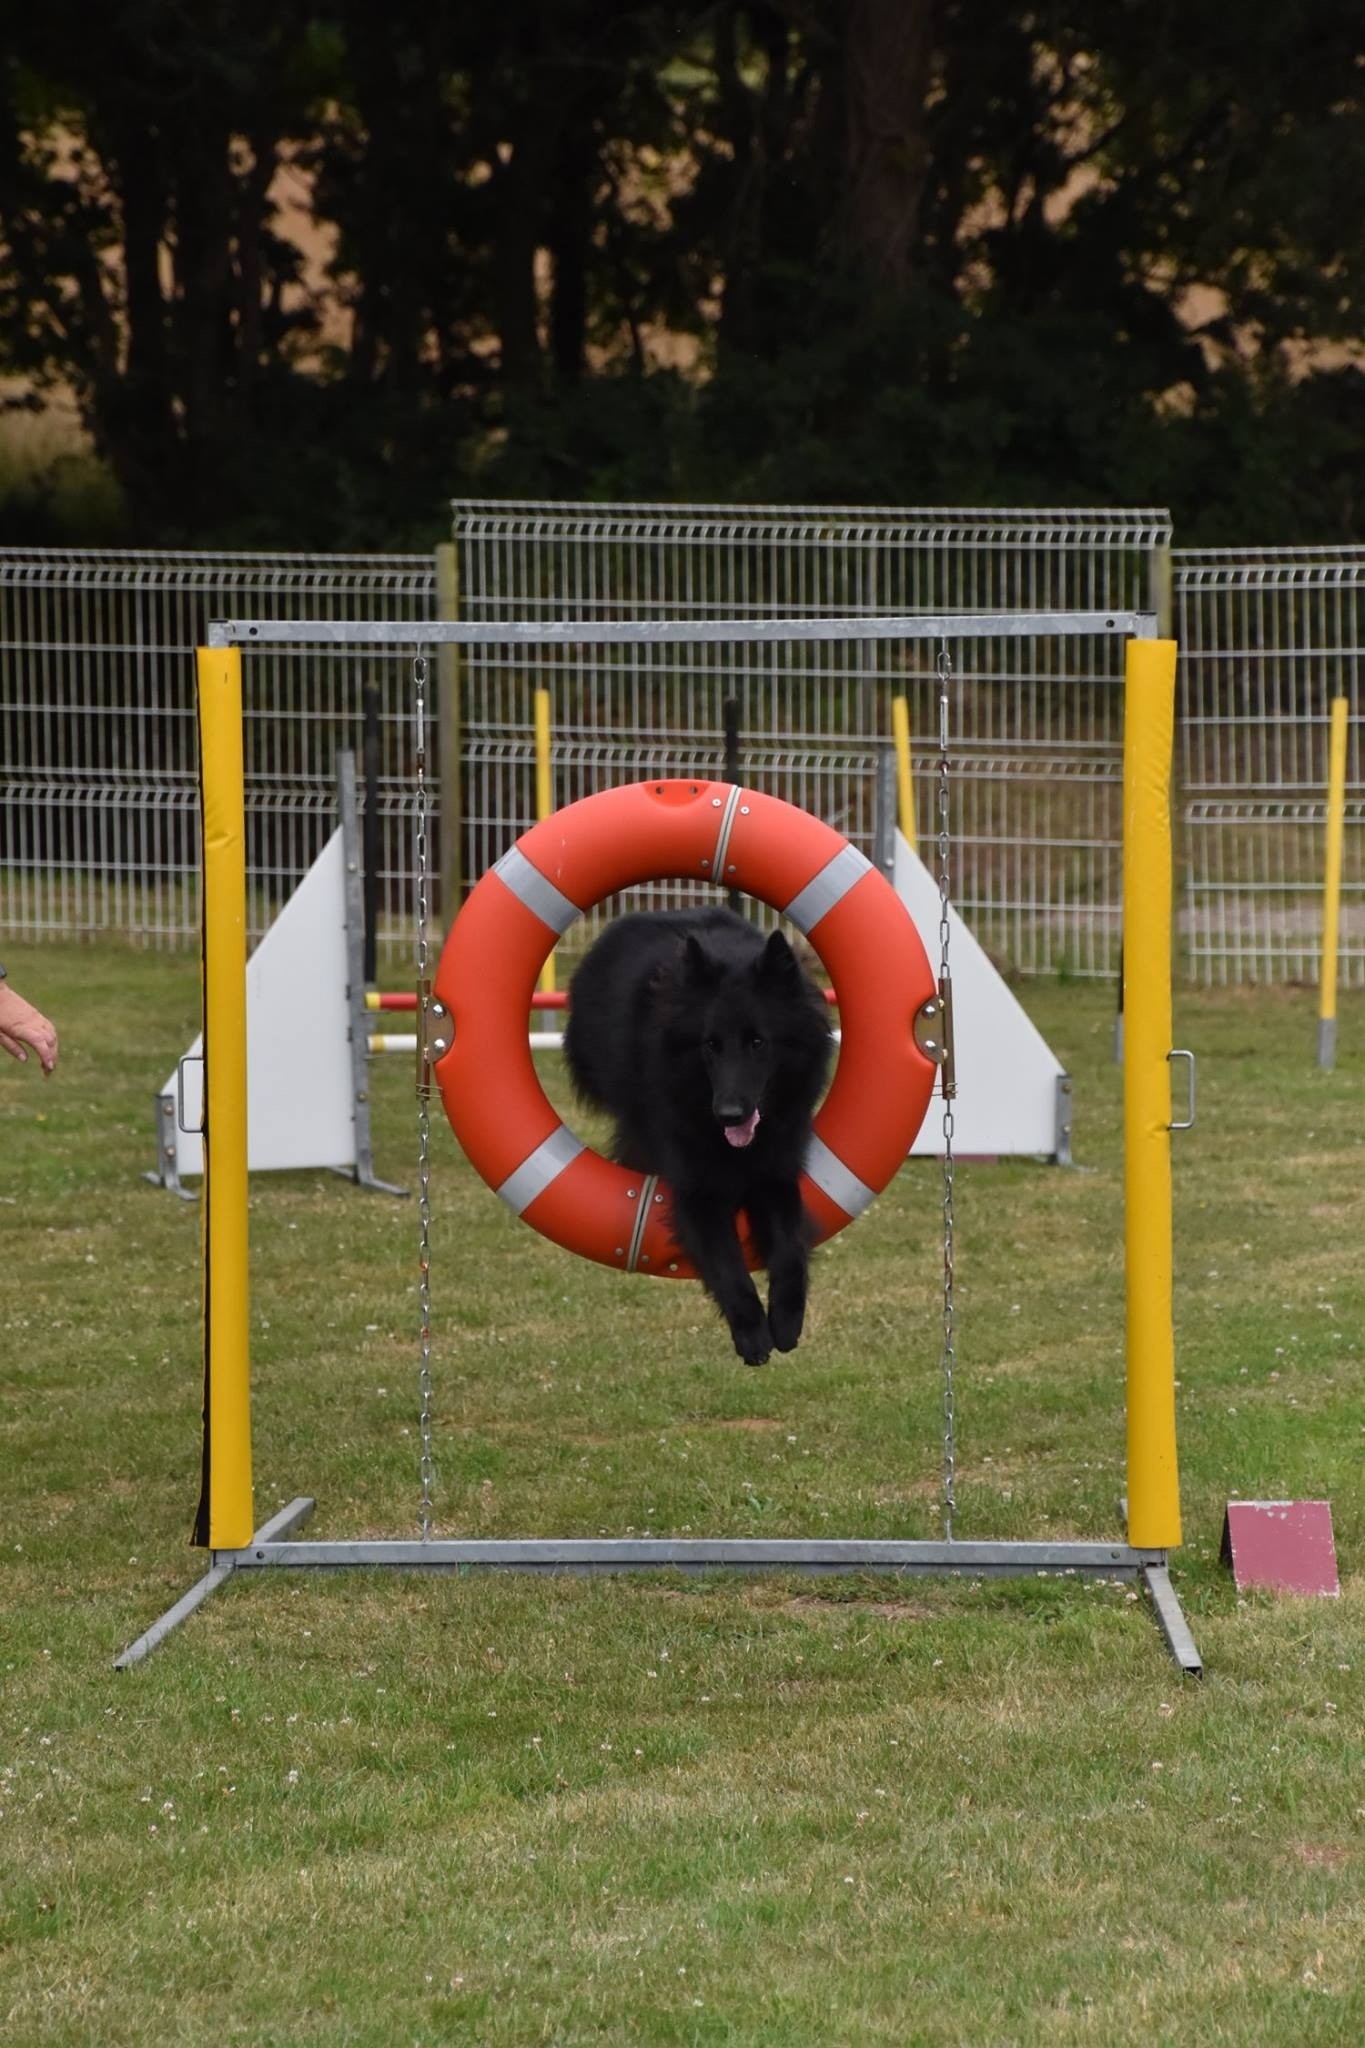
[{"x": 24, "y": 1029}]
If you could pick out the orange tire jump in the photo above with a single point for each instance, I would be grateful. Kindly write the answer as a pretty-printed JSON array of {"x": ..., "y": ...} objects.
[{"x": 705, "y": 832}]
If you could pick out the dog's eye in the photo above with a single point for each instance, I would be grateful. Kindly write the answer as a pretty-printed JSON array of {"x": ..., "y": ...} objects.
[
  {"x": 711, "y": 1044},
  {"x": 756, "y": 1041}
]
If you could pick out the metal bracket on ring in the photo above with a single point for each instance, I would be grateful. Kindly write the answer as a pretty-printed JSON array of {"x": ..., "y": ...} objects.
[
  {"x": 934, "y": 1035},
  {"x": 1187, "y": 1123},
  {"x": 435, "y": 1034}
]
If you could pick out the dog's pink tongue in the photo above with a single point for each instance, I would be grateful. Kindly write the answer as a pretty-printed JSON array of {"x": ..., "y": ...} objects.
[{"x": 742, "y": 1134}]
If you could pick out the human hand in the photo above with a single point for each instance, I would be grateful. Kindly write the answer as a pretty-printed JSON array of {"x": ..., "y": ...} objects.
[{"x": 22, "y": 1028}]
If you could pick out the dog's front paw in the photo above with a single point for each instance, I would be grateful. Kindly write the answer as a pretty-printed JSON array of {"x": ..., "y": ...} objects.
[
  {"x": 753, "y": 1339},
  {"x": 786, "y": 1319}
]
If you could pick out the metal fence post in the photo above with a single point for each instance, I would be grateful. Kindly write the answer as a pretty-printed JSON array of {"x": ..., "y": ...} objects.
[
  {"x": 1163, "y": 588},
  {"x": 449, "y": 741}
]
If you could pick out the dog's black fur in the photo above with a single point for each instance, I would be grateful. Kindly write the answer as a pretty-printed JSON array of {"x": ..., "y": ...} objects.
[{"x": 683, "y": 1024}]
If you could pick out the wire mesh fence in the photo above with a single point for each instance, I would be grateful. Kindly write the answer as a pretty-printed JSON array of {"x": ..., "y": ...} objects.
[
  {"x": 98, "y": 741},
  {"x": 1267, "y": 639},
  {"x": 1037, "y": 722},
  {"x": 99, "y": 803}
]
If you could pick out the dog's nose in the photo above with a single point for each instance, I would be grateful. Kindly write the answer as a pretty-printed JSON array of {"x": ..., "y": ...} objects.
[{"x": 730, "y": 1112}]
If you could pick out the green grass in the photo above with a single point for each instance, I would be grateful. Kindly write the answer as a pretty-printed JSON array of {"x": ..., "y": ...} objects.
[{"x": 781, "y": 1814}]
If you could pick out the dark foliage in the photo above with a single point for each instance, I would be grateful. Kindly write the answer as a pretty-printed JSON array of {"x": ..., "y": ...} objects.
[{"x": 311, "y": 269}]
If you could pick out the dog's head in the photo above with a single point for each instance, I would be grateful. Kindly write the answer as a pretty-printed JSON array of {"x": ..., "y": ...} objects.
[{"x": 743, "y": 1016}]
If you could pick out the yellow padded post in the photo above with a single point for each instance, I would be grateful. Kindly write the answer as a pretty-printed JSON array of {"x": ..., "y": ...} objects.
[
  {"x": 905, "y": 781},
  {"x": 545, "y": 803},
  {"x": 227, "y": 1356},
  {"x": 1331, "y": 883},
  {"x": 1149, "y": 719}
]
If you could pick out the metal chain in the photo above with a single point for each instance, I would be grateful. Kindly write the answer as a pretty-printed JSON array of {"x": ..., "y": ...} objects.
[
  {"x": 420, "y": 673},
  {"x": 949, "y": 1359}
]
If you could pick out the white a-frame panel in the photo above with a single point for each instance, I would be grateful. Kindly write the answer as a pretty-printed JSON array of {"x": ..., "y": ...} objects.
[
  {"x": 1008, "y": 1077},
  {"x": 300, "y": 1106}
]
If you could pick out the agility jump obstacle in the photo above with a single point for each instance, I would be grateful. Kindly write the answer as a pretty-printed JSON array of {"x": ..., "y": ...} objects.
[
  {"x": 312, "y": 1031},
  {"x": 225, "y": 1521}
]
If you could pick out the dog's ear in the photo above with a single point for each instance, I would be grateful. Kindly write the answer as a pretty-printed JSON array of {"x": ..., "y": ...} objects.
[
  {"x": 698, "y": 966},
  {"x": 778, "y": 962}
]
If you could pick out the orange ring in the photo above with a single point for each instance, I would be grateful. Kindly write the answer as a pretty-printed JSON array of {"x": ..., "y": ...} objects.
[{"x": 706, "y": 832}]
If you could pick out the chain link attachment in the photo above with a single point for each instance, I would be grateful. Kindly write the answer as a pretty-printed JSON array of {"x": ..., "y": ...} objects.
[
  {"x": 422, "y": 866},
  {"x": 948, "y": 1088}
]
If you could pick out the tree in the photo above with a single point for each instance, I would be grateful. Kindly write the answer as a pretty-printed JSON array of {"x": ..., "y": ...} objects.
[
  {"x": 913, "y": 250},
  {"x": 137, "y": 150}
]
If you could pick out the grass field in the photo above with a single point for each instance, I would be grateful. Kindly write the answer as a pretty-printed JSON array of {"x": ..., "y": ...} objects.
[{"x": 778, "y": 1813}]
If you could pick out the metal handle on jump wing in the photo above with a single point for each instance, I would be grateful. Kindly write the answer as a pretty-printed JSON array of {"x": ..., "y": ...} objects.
[
  {"x": 1187, "y": 1123},
  {"x": 190, "y": 1130}
]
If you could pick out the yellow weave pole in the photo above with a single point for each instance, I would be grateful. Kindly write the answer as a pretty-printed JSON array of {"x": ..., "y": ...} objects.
[
  {"x": 905, "y": 781},
  {"x": 544, "y": 805},
  {"x": 227, "y": 1352},
  {"x": 1149, "y": 723},
  {"x": 1331, "y": 884}
]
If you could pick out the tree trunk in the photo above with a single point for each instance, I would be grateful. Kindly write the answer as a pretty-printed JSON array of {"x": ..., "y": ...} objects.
[
  {"x": 570, "y": 233},
  {"x": 252, "y": 208},
  {"x": 889, "y": 64},
  {"x": 133, "y": 415},
  {"x": 204, "y": 341},
  {"x": 516, "y": 237}
]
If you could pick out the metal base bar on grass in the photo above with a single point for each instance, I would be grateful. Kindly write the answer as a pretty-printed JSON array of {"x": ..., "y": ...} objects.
[
  {"x": 224, "y": 1564},
  {"x": 699, "y": 1554},
  {"x": 591, "y": 1555},
  {"x": 1174, "y": 1627},
  {"x": 172, "y": 1618}
]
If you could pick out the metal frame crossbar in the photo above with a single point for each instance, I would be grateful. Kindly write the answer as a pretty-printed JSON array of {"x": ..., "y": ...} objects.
[
  {"x": 1153, "y": 1511},
  {"x": 670, "y": 632}
]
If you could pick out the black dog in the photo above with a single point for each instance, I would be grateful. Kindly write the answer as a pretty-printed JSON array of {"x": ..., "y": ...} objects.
[{"x": 710, "y": 1047}]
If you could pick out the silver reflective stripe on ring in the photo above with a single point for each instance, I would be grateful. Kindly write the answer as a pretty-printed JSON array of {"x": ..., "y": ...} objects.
[
  {"x": 829, "y": 887},
  {"x": 539, "y": 1168},
  {"x": 838, "y": 1181},
  {"x": 528, "y": 884},
  {"x": 727, "y": 826}
]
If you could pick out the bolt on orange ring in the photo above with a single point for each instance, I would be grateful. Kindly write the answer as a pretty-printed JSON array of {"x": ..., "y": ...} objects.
[{"x": 706, "y": 832}]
